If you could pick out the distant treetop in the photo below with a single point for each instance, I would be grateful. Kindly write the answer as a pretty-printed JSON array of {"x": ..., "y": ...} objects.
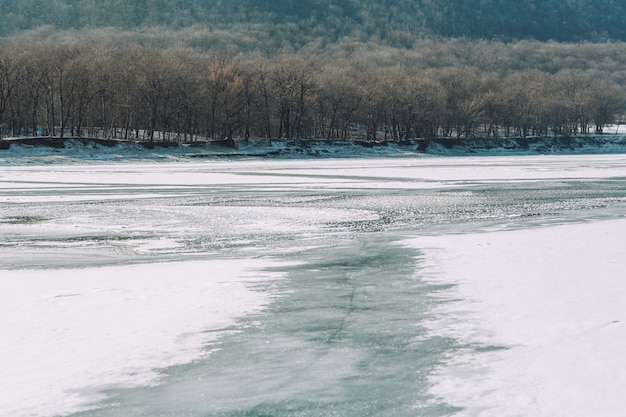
[{"x": 295, "y": 23}]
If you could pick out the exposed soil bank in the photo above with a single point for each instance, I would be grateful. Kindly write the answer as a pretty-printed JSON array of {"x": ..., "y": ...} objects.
[{"x": 333, "y": 148}]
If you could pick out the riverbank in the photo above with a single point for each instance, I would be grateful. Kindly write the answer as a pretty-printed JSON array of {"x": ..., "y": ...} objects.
[{"x": 111, "y": 149}]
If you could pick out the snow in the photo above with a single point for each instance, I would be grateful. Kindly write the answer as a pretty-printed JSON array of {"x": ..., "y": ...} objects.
[
  {"x": 69, "y": 333},
  {"x": 542, "y": 314},
  {"x": 77, "y": 151},
  {"x": 540, "y": 310}
]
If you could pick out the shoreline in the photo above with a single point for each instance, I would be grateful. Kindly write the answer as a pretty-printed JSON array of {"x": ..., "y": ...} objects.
[{"x": 96, "y": 148}]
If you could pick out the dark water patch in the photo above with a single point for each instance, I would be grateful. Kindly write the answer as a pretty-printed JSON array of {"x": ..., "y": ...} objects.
[
  {"x": 22, "y": 220},
  {"x": 482, "y": 349}
]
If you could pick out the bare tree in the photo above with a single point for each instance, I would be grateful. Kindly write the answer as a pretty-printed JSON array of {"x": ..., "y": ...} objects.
[
  {"x": 606, "y": 102},
  {"x": 186, "y": 91},
  {"x": 427, "y": 98},
  {"x": 227, "y": 92},
  {"x": 154, "y": 85},
  {"x": 9, "y": 81},
  {"x": 293, "y": 82},
  {"x": 522, "y": 102},
  {"x": 463, "y": 104},
  {"x": 339, "y": 96},
  {"x": 371, "y": 112},
  {"x": 34, "y": 84}
]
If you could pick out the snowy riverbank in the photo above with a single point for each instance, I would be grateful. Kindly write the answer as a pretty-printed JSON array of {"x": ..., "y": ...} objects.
[{"x": 54, "y": 150}]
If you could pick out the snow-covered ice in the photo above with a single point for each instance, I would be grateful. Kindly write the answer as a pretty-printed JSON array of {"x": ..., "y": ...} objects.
[
  {"x": 70, "y": 333},
  {"x": 542, "y": 314},
  {"x": 110, "y": 273}
]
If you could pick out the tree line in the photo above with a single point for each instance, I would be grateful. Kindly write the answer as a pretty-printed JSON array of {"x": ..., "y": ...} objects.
[{"x": 183, "y": 94}]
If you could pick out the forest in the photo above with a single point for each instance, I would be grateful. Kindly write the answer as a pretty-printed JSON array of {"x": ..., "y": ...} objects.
[
  {"x": 299, "y": 22},
  {"x": 373, "y": 70},
  {"x": 180, "y": 93}
]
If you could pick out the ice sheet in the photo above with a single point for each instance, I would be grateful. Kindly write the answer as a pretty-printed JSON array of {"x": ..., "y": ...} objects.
[
  {"x": 124, "y": 180},
  {"x": 68, "y": 333},
  {"x": 543, "y": 317},
  {"x": 531, "y": 313}
]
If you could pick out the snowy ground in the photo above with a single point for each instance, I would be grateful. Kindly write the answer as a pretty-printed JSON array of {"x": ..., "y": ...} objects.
[
  {"x": 542, "y": 312},
  {"x": 73, "y": 151},
  {"x": 69, "y": 333},
  {"x": 532, "y": 245}
]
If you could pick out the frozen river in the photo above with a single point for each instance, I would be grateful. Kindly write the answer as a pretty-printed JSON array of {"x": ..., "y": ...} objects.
[{"x": 475, "y": 286}]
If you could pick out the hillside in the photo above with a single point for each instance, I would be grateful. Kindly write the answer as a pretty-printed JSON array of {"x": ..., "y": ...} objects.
[
  {"x": 375, "y": 70},
  {"x": 290, "y": 23}
]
